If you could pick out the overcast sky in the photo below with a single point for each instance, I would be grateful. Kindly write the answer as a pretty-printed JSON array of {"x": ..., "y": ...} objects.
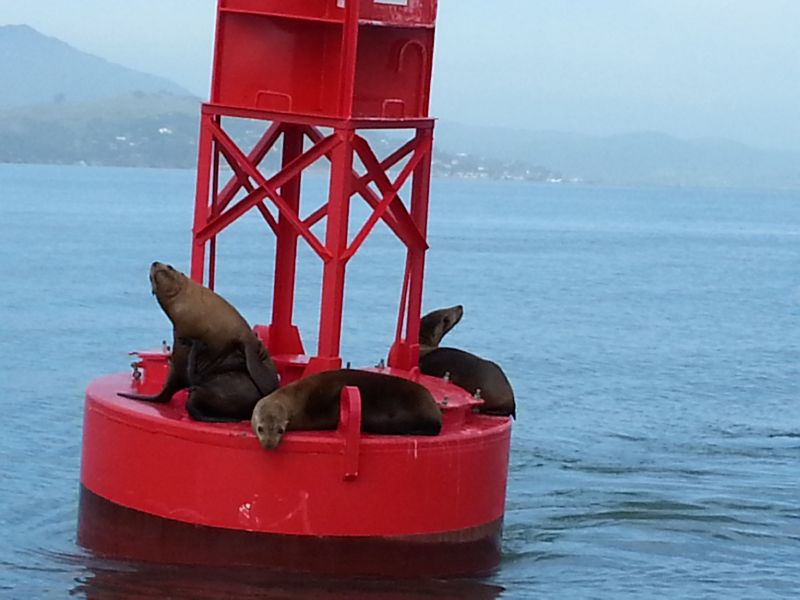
[{"x": 691, "y": 68}]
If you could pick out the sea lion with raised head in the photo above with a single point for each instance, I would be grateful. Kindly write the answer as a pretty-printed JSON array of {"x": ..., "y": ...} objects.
[
  {"x": 389, "y": 405},
  {"x": 466, "y": 370},
  {"x": 435, "y": 325},
  {"x": 199, "y": 314}
]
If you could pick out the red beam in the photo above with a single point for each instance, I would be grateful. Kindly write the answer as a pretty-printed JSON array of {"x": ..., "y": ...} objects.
[
  {"x": 316, "y": 216},
  {"x": 368, "y": 158},
  {"x": 269, "y": 187},
  {"x": 333, "y": 122},
  {"x": 401, "y": 225},
  {"x": 204, "y": 150},
  {"x": 391, "y": 160},
  {"x": 286, "y": 250},
  {"x": 273, "y": 224},
  {"x": 333, "y": 272},
  {"x": 410, "y": 235},
  {"x": 257, "y": 154}
]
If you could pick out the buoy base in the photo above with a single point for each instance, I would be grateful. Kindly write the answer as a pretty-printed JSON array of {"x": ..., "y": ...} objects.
[{"x": 111, "y": 530}]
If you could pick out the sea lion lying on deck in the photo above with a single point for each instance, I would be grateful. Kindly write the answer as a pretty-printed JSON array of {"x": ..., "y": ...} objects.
[
  {"x": 389, "y": 405},
  {"x": 465, "y": 370},
  {"x": 198, "y": 314}
]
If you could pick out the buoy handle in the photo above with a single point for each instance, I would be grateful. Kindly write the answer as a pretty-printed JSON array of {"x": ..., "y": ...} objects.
[{"x": 350, "y": 429}]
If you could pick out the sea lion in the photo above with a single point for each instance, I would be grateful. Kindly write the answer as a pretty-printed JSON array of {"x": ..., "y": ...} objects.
[
  {"x": 435, "y": 325},
  {"x": 465, "y": 370},
  {"x": 389, "y": 405},
  {"x": 473, "y": 373},
  {"x": 220, "y": 391},
  {"x": 199, "y": 314}
]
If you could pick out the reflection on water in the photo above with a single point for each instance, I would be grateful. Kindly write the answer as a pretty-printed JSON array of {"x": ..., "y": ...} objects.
[{"x": 146, "y": 581}]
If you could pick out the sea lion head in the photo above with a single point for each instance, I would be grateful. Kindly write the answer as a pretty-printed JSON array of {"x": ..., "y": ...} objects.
[
  {"x": 435, "y": 325},
  {"x": 165, "y": 281},
  {"x": 269, "y": 422}
]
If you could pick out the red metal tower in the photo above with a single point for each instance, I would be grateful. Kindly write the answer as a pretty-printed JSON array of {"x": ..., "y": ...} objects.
[{"x": 306, "y": 67}]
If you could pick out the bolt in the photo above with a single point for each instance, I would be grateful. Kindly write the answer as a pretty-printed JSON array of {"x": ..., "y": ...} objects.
[
  {"x": 137, "y": 372},
  {"x": 477, "y": 394},
  {"x": 446, "y": 377},
  {"x": 164, "y": 346}
]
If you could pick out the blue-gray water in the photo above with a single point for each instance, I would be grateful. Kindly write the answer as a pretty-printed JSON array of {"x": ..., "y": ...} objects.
[{"x": 651, "y": 337}]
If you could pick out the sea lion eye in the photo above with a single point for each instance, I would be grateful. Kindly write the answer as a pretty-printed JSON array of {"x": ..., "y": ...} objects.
[
  {"x": 282, "y": 429},
  {"x": 260, "y": 429}
]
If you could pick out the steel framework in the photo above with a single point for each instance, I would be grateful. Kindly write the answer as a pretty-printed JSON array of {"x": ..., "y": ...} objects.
[
  {"x": 319, "y": 72},
  {"x": 215, "y": 210}
]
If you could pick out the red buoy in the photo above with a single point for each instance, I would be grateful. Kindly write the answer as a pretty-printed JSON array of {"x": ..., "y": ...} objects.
[{"x": 157, "y": 485}]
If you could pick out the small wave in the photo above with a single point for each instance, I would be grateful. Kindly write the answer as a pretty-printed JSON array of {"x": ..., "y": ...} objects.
[{"x": 788, "y": 434}]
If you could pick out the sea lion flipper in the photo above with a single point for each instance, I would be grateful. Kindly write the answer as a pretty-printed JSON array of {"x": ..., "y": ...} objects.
[
  {"x": 264, "y": 376},
  {"x": 156, "y": 398},
  {"x": 176, "y": 376}
]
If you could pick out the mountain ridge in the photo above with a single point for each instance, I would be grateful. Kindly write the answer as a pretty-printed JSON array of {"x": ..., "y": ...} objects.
[
  {"x": 635, "y": 158},
  {"x": 36, "y": 69},
  {"x": 61, "y": 105}
]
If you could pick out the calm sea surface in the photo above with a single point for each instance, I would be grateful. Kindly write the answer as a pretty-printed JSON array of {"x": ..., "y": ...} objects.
[{"x": 652, "y": 337}]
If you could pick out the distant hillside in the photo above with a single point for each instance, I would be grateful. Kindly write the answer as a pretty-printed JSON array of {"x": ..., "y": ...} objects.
[
  {"x": 157, "y": 130},
  {"x": 632, "y": 159},
  {"x": 36, "y": 69},
  {"x": 62, "y": 106},
  {"x": 139, "y": 130}
]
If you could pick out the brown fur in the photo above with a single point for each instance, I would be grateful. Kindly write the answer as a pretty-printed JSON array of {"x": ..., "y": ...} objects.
[
  {"x": 219, "y": 390},
  {"x": 466, "y": 370},
  {"x": 473, "y": 373},
  {"x": 198, "y": 314},
  {"x": 389, "y": 405},
  {"x": 435, "y": 325}
]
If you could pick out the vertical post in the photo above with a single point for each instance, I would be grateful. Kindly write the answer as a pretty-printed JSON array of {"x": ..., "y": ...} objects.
[
  {"x": 347, "y": 65},
  {"x": 212, "y": 245},
  {"x": 406, "y": 354},
  {"x": 280, "y": 339},
  {"x": 333, "y": 273},
  {"x": 204, "y": 158}
]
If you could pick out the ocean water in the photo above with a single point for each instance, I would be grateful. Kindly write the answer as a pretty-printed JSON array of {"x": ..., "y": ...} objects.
[{"x": 651, "y": 335}]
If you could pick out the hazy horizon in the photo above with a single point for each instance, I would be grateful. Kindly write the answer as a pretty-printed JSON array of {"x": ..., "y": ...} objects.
[{"x": 717, "y": 69}]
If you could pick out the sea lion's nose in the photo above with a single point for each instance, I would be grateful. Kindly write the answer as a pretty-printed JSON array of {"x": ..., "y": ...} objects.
[{"x": 155, "y": 264}]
